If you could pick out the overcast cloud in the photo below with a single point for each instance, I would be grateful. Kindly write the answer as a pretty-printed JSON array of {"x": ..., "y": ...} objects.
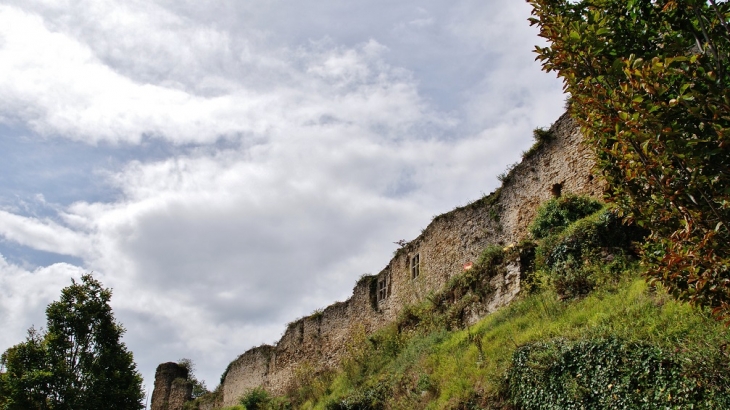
[{"x": 229, "y": 166}]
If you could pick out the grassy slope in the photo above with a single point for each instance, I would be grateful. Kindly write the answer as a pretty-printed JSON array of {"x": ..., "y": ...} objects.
[
  {"x": 422, "y": 363},
  {"x": 442, "y": 369}
]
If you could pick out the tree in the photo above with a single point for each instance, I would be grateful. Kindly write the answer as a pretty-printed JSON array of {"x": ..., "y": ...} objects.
[
  {"x": 650, "y": 86},
  {"x": 78, "y": 363}
]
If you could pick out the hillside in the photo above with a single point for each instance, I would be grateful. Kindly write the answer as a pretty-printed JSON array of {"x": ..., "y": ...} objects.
[{"x": 492, "y": 310}]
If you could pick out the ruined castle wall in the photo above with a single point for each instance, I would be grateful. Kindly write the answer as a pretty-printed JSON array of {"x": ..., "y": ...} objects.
[
  {"x": 565, "y": 164},
  {"x": 247, "y": 372},
  {"x": 172, "y": 389},
  {"x": 452, "y": 240},
  {"x": 316, "y": 341},
  {"x": 181, "y": 392}
]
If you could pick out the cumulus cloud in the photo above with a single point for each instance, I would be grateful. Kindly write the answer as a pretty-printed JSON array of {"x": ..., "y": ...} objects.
[
  {"x": 24, "y": 295},
  {"x": 299, "y": 141},
  {"x": 59, "y": 86}
]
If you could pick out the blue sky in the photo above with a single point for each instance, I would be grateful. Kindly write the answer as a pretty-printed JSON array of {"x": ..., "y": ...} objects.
[{"x": 229, "y": 166}]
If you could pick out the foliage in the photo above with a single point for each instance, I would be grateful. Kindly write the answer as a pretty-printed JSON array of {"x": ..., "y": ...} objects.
[
  {"x": 591, "y": 251},
  {"x": 542, "y": 136},
  {"x": 199, "y": 387},
  {"x": 4, "y": 393},
  {"x": 555, "y": 215},
  {"x": 506, "y": 176},
  {"x": 650, "y": 87},
  {"x": 608, "y": 374},
  {"x": 309, "y": 383},
  {"x": 260, "y": 399},
  {"x": 369, "y": 397},
  {"x": 28, "y": 382},
  {"x": 79, "y": 362},
  {"x": 581, "y": 244}
]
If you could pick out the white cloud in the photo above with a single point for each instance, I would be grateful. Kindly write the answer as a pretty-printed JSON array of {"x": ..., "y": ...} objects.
[
  {"x": 25, "y": 294},
  {"x": 302, "y": 140},
  {"x": 58, "y": 86},
  {"x": 44, "y": 235}
]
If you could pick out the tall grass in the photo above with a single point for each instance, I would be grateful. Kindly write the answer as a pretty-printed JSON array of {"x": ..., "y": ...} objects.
[{"x": 453, "y": 369}]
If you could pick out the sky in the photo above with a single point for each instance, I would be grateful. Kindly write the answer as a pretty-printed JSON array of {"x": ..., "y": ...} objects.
[{"x": 228, "y": 166}]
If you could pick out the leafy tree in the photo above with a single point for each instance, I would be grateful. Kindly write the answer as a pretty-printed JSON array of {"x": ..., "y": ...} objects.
[
  {"x": 650, "y": 86},
  {"x": 79, "y": 363}
]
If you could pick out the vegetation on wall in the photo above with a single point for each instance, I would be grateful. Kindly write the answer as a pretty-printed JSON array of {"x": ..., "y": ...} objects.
[
  {"x": 199, "y": 387},
  {"x": 542, "y": 136},
  {"x": 583, "y": 244},
  {"x": 650, "y": 86}
]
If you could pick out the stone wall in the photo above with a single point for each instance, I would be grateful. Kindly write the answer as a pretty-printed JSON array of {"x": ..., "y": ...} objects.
[
  {"x": 172, "y": 388},
  {"x": 424, "y": 265}
]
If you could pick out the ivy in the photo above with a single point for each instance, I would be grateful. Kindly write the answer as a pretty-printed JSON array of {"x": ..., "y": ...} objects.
[
  {"x": 556, "y": 214},
  {"x": 608, "y": 374}
]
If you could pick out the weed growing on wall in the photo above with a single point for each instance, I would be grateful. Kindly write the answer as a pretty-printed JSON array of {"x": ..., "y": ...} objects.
[
  {"x": 542, "y": 136},
  {"x": 556, "y": 214}
]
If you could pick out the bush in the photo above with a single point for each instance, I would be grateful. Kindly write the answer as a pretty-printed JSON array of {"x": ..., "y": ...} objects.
[
  {"x": 557, "y": 213},
  {"x": 371, "y": 397},
  {"x": 260, "y": 399},
  {"x": 607, "y": 374},
  {"x": 576, "y": 251}
]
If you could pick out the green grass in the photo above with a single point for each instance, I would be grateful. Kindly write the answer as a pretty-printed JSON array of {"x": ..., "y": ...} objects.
[{"x": 442, "y": 369}]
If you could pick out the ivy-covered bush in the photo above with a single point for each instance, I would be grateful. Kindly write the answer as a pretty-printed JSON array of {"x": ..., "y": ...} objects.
[
  {"x": 557, "y": 213},
  {"x": 608, "y": 374},
  {"x": 590, "y": 250},
  {"x": 581, "y": 244}
]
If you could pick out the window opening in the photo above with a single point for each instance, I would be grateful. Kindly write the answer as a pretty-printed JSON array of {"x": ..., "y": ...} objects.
[
  {"x": 383, "y": 287},
  {"x": 415, "y": 266},
  {"x": 556, "y": 190}
]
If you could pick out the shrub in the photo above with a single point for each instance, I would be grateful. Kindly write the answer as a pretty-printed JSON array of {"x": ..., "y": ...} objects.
[
  {"x": 582, "y": 244},
  {"x": 607, "y": 374},
  {"x": 556, "y": 214},
  {"x": 370, "y": 397},
  {"x": 260, "y": 399}
]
